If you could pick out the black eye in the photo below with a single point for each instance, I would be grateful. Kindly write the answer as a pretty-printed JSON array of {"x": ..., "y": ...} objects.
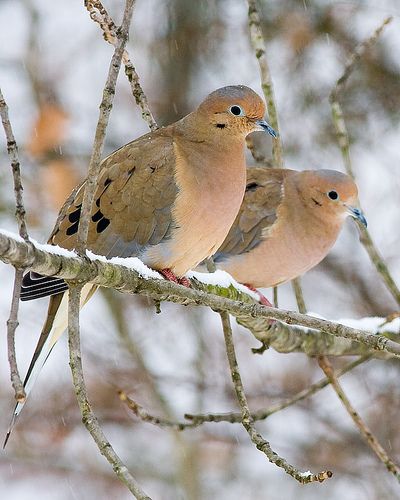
[
  {"x": 236, "y": 110},
  {"x": 333, "y": 195}
]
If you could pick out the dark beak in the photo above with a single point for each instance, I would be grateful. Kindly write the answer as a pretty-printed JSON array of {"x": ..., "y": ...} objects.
[
  {"x": 266, "y": 127},
  {"x": 357, "y": 214}
]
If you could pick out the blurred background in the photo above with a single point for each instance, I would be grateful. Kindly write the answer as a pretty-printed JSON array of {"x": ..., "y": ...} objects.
[{"x": 53, "y": 65}]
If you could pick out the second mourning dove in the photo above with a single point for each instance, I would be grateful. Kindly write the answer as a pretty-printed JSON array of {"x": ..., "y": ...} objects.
[
  {"x": 286, "y": 225},
  {"x": 168, "y": 198}
]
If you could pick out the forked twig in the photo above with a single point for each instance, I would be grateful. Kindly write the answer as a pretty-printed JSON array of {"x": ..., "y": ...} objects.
[
  {"x": 100, "y": 15},
  {"x": 12, "y": 322},
  {"x": 373, "y": 443},
  {"x": 248, "y": 422},
  {"x": 344, "y": 145}
]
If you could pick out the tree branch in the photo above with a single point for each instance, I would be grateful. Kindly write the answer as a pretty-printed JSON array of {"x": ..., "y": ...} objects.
[
  {"x": 248, "y": 422},
  {"x": 258, "y": 44},
  {"x": 264, "y": 413},
  {"x": 120, "y": 277},
  {"x": 100, "y": 15},
  {"x": 344, "y": 144},
  {"x": 12, "y": 322},
  {"x": 88, "y": 417},
  {"x": 105, "y": 110},
  {"x": 373, "y": 443}
]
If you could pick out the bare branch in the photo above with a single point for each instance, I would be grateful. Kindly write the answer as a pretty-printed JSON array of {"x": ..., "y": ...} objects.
[
  {"x": 298, "y": 292},
  {"x": 374, "y": 444},
  {"x": 258, "y": 44},
  {"x": 12, "y": 323},
  {"x": 105, "y": 110},
  {"x": 344, "y": 144},
  {"x": 248, "y": 422},
  {"x": 235, "y": 418},
  {"x": 127, "y": 280},
  {"x": 88, "y": 417},
  {"x": 12, "y": 150},
  {"x": 100, "y": 15}
]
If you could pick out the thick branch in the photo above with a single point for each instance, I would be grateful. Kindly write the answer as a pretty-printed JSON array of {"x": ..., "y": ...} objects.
[
  {"x": 106, "y": 273},
  {"x": 88, "y": 417},
  {"x": 105, "y": 110},
  {"x": 372, "y": 441}
]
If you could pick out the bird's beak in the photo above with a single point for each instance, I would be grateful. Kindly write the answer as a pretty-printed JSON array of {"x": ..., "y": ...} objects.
[
  {"x": 263, "y": 126},
  {"x": 356, "y": 214}
]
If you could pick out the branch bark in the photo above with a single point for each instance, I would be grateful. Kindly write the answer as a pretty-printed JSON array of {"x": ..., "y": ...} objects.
[{"x": 125, "y": 279}]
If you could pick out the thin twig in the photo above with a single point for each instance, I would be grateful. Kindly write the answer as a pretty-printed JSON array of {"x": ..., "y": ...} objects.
[
  {"x": 264, "y": 413},
  {"x": 100, "y": 15},
  {"x": 344, "y": 144},
  {"x": 258, "y": 44},
  {"x": 298, "y": 292},
  {"x": 374, "y": 444},
  {"x": 248, "y": 422},
  {"x": 12, "y": 150},
  {"x": 12, "y": 322},
  {"x": 234, "y": 417},
  {"x": 127, "y": 280},
  {"x": 12, "y": 325},
  {"x": 88, "y": 417},
  {"x": 105, "y": 110}
]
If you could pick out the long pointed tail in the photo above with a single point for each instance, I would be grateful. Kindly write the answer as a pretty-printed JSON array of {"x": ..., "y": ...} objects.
[{"x": 56, "y": 324}]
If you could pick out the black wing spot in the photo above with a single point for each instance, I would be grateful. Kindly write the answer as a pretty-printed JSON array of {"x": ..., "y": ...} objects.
[
  {"x": 97, "y": 216},
  {"x": 252, "y": 186},
  {"x": 73, "y": 229},
  {"x": 152, "y": 169},
  {"x": 316, "y": 202},
  {"x": 107, "y": 182},
  {"x": 98, "y": 202},
  {"x": 220, "y": 125},
  {"x": 102, "y": 224},
  {"x": 75, "y": 215}
]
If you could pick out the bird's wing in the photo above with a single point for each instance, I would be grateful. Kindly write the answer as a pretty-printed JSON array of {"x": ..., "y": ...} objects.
[
  {"x": 264, "y": 192},
  {"x": 132, "y": 208}
]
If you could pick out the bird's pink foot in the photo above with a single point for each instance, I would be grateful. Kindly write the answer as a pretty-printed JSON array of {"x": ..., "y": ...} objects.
[
  {"x": 170, "y": 276},
  {"x": 263, "y": 300}
]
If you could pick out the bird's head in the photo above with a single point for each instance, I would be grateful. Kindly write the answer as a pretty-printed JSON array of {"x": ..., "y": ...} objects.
[
  {"x": 330, "y": 194},
  {"x": 235, "y": 110}
]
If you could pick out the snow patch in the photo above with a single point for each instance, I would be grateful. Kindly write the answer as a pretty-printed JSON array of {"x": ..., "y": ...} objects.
[{"x": 223, "y": 279}]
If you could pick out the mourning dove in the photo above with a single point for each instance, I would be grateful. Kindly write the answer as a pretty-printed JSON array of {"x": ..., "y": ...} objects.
[
  {"x": 168, "y": 198},
  {"x": 286, "y": 225}
]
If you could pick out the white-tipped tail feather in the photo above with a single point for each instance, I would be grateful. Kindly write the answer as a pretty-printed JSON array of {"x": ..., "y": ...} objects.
[{"x": 45, "y": 345}]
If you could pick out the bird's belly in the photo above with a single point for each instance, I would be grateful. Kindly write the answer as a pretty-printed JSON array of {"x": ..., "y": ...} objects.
[{"x": 274, "y": 263}]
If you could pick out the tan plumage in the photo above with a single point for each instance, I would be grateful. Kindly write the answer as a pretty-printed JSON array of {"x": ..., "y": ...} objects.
[
  {"x": 286, "y": 225},
  {"x": 168, "y": 197}
]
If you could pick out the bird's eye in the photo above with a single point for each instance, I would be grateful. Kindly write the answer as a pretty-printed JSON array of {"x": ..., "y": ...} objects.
[
  {"x": 333, "y": 195},
  {"x": 236, "y": 110}
]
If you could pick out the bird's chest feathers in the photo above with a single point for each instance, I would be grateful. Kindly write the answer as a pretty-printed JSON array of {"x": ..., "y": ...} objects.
[{"x": 211, "y": 189}]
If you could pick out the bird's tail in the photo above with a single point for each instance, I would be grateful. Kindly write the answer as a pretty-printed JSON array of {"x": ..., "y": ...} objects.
[{"x": 55, "y": 325}]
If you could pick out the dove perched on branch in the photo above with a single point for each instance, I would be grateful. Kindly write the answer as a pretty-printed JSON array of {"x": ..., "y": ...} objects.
[
  {"x": 286, "y": 225},
  {"x": 168, "y": 198}
]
